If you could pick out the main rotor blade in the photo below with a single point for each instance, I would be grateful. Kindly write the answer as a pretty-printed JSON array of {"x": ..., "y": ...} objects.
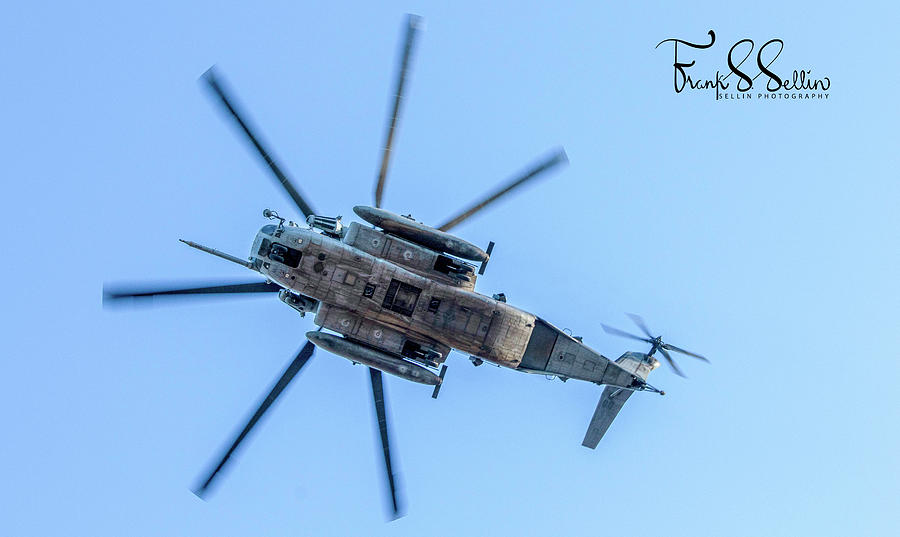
[
  {"x": 671, "y": 362},
  {"x": 638, "y": 320},
  {"x": 240, "y": 118},
  {"x": 682, "y": 351},
  {"x": 296, "y": 364},
  {"x": 617, "y": 332},
  {"x": 238, "y": 288},
  {"x": 413, "y": 22},
  {"x": 557, "y": 158},
  {"x": 380, "y": 415}
]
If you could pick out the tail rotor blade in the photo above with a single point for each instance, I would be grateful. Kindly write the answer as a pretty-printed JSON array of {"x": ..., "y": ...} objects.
[
  {"x": 672, "y": 363},
  {"x": 622, "y": 333},
  {"x": 682, "y": 351},
  {"x": 380, "y": 415},
  {"x": 296, "y": 364},
  {"x": 545, "y": 165},
  {"x": 639, "y": 321},
  {"x": 231, "y": 106},
  {"x": 412, "y": 28}
]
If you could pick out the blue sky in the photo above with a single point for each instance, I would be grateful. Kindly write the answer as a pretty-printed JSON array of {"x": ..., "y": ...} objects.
[{"x": 762, "y": 234}]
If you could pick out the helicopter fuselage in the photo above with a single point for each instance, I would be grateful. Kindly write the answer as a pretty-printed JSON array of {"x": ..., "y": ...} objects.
[{"x": 387, "y": 293}]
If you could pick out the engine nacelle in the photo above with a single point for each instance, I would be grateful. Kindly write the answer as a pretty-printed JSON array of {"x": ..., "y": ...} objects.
[
  {"x": 361, "y": 354},
  {"x": 420, "y": 233},
  {"x": 331, "y": 226}
]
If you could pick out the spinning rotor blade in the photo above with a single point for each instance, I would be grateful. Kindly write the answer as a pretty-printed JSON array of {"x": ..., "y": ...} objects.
[
  {"x": 682, "y": 351},
  {"x": 639, "y": 321},
  {"x": 557, "y": 158},
  {"x": 238, "y": 288},
  {"x": 617, "y": 332},
  {"x": 231, "y": 106},
  {"x": 298, "y": 362},
  {"x": 413, "y": 22},
  {"x": 378, "y": 396},
  {"x": 671, "y": 362}
]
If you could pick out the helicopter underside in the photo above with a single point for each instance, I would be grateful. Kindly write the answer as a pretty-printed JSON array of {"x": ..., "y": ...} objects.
[
  {"x": 378, "y": 304},
  {"x": 386, "y": 306}
]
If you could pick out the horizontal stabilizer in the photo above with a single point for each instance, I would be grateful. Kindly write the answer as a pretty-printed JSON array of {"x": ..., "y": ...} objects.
[{"x": 609, "y": 406}]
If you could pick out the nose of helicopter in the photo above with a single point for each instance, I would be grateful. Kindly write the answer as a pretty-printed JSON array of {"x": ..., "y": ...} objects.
[
  {"x": 259, "y": 247},
  {"x": 280, "y": 244}
]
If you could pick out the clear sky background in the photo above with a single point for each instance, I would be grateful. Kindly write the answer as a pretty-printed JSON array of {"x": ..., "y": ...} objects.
[{"x": 761, "y": 234}]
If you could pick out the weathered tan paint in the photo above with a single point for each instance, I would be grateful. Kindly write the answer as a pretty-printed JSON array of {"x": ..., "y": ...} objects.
[{"x": 336, "y": 272}]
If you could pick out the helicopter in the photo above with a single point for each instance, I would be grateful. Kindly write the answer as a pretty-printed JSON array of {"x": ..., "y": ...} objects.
[{"x": 397, "y": 295}]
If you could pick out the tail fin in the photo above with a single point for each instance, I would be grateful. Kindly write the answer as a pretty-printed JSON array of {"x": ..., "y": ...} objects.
[
  {"x": 613, "y": 398},
  {"x": 609, "y": 406},
  {"x": 638, "y": 364}
]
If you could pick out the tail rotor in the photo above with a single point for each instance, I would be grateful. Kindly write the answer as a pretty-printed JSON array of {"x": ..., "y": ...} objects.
[{"x": 656, "y": 342}]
